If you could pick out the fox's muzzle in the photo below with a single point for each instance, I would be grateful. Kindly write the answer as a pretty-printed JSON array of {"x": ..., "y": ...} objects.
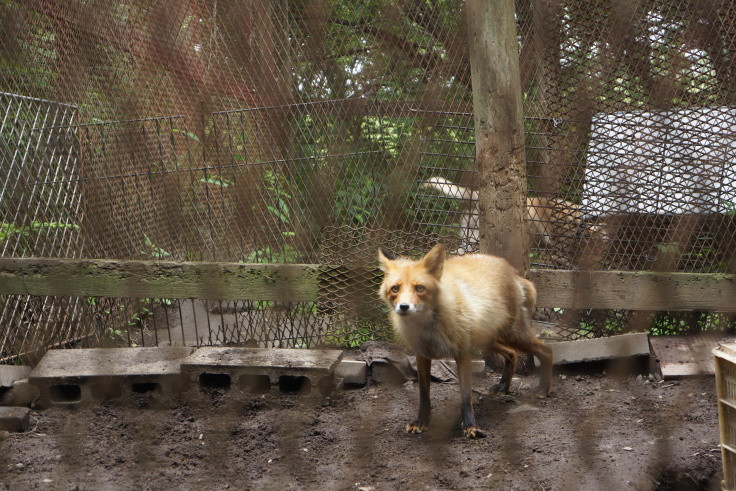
[{"x": 405, "y": 308}]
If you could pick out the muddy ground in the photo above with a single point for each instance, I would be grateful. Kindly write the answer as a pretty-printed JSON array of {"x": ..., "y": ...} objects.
[{"x": 595, "y": 432}]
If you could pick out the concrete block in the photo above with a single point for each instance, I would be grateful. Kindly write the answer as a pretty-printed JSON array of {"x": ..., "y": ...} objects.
[
  {"x": 587, "y": 350},
  {"x": 77, "y": 376},
  {"x": 11, "y": 373},
  {"x": 14, "y": 418},
  {"x": 479, "y": 367},
  {"x": 352, "y": 372},
  {"x": 384, "y": 372},
  {"x": 255, "y": 369}
]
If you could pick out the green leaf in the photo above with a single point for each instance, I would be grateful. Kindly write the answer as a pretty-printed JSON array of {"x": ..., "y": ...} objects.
[
  {"x": 217, "y": 181},
  {"x": 189, "y": 134}
]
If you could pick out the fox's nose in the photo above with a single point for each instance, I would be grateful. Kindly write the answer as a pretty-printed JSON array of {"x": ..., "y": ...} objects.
[{"x": 404, "y": 307}]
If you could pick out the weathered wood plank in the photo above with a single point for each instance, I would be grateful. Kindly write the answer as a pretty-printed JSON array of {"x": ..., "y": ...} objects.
[
  {"x": 158, "y": 279},
  {"x": 685, "y": 356},
  {"x": 635, "y": 290},
  {"x": 300, "y": 282}
]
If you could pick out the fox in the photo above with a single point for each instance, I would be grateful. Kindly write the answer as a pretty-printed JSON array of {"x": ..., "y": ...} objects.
[{"x": 450, "y": 307}]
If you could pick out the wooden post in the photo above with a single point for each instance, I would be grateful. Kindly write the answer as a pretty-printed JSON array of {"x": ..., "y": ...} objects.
[{"x": 499, "y": 129}]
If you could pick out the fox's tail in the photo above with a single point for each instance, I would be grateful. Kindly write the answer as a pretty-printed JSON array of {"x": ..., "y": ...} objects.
[
  {"x": 529, "y": 293},
  {"x": 450, "y": 189}
]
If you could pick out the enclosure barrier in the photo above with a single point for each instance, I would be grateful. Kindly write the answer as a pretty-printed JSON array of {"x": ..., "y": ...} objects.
[
  {"x": 641, "y": 290},
  {"x": 270, "y": 134}
]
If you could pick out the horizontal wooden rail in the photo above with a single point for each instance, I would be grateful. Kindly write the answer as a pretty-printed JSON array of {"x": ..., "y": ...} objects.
[
  {"x": 640, "y": 290},
  {"x": 158, "y": 279},
  {"x": 301, "y": 282}
]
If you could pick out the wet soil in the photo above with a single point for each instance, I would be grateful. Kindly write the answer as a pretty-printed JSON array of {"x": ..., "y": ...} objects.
[{"x": 595, "y": 432}]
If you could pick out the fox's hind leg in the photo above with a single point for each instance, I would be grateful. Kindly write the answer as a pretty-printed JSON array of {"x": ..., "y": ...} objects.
[
  {"x": 523, "y": 338},
  {"x": 509, "y": 359},
  {"x": 530, "y": 344},
  {"x": 544, "y": 354}
]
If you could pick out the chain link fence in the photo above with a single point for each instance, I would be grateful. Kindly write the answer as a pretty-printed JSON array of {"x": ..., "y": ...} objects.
[{"x": 312, "y": 132}]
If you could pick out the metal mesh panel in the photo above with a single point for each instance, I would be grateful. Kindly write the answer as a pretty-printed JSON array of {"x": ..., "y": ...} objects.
[
  {"x": 638, "y": 126},
  {"x": 138, "y": 185},
  {"x": 631, "y": 104},
  {"x": 39, "y": 214},
  {"x": 277, "y": 131}
]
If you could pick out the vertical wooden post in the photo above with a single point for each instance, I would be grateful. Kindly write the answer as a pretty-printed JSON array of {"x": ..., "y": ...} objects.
[{"x": 499, "y": 129}]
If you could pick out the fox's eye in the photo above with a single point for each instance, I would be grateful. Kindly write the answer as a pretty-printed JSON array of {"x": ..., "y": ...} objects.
[
  {"x": 419, "y": 288},
  {"x": 395, "y": 289}
]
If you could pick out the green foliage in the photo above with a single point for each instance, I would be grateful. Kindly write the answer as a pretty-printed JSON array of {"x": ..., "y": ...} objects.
[
  {"x": 8, "y": 230},
  {"x": 673, "y": 248},
  {"x": 357, "y": 200},
  {"x": 357, "y": 333},
  {"x": 217, "y": 181},
  {"x": 153, "y": 250},
  {"x": 278, "y": 187},
  {"x": 287, "y": 254},
  {"x": 671, "y": 323},
  {"x": 187, "y": 133}
]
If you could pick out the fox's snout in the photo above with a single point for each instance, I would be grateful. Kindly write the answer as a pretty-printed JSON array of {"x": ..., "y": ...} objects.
[{"x": 406, "y": 308}]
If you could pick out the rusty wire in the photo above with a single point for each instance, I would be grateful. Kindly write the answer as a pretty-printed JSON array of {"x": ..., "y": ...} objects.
[{"x": 273, "y": 132}]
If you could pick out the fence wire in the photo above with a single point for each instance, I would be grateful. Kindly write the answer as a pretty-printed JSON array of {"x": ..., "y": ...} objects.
[{"x": 276, "y": 131}]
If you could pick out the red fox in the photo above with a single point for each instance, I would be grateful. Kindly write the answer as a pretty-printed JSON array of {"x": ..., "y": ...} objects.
[{"x": 447, "y": 308}]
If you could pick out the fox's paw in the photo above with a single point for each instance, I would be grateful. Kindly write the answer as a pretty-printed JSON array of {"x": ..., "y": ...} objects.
[
  {"x": 542, "y": 392},
  {"x": 473, "y": 432},
  {"x": 501, "y": 387},
  {"x": 416, "y": 427}
]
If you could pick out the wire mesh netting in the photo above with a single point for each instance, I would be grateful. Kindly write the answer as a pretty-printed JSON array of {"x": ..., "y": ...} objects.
[{"x": 276, "y": 131}]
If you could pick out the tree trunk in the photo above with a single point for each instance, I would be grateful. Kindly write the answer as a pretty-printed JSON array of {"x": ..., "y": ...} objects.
[{"x": 499, "y": 129}]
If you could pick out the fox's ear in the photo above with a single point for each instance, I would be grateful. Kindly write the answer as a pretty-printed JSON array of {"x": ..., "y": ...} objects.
[
  {"x": 385, "y": 258},
  {"x": 434, "y": 261}
]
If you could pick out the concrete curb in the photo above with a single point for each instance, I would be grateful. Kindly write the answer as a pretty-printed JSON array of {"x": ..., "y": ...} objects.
[
  {"x": 82, "y": 376},
  {"x": 256, "y": 369}
]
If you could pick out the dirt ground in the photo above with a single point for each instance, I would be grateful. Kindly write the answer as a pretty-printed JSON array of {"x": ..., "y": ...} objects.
[{"x": 595, "y": 432}]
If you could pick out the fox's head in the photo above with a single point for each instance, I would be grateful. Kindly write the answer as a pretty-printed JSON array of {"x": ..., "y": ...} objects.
[{"x": 411, "y": 287}]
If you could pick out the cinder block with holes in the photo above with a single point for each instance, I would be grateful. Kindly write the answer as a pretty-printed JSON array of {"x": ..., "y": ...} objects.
[
  {"x": 78, "y": 376},
  {"x": 257, "y": 369}
]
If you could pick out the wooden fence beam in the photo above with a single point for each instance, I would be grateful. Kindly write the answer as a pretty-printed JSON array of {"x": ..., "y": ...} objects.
[
  {"x": 301, "y": 282},
  {"x": 158, "y": 279},
  {"x": 641, "y": 290}
]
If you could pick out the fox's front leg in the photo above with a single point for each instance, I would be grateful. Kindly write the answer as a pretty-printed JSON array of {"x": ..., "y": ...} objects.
[{"x": 424, "y": 368}]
